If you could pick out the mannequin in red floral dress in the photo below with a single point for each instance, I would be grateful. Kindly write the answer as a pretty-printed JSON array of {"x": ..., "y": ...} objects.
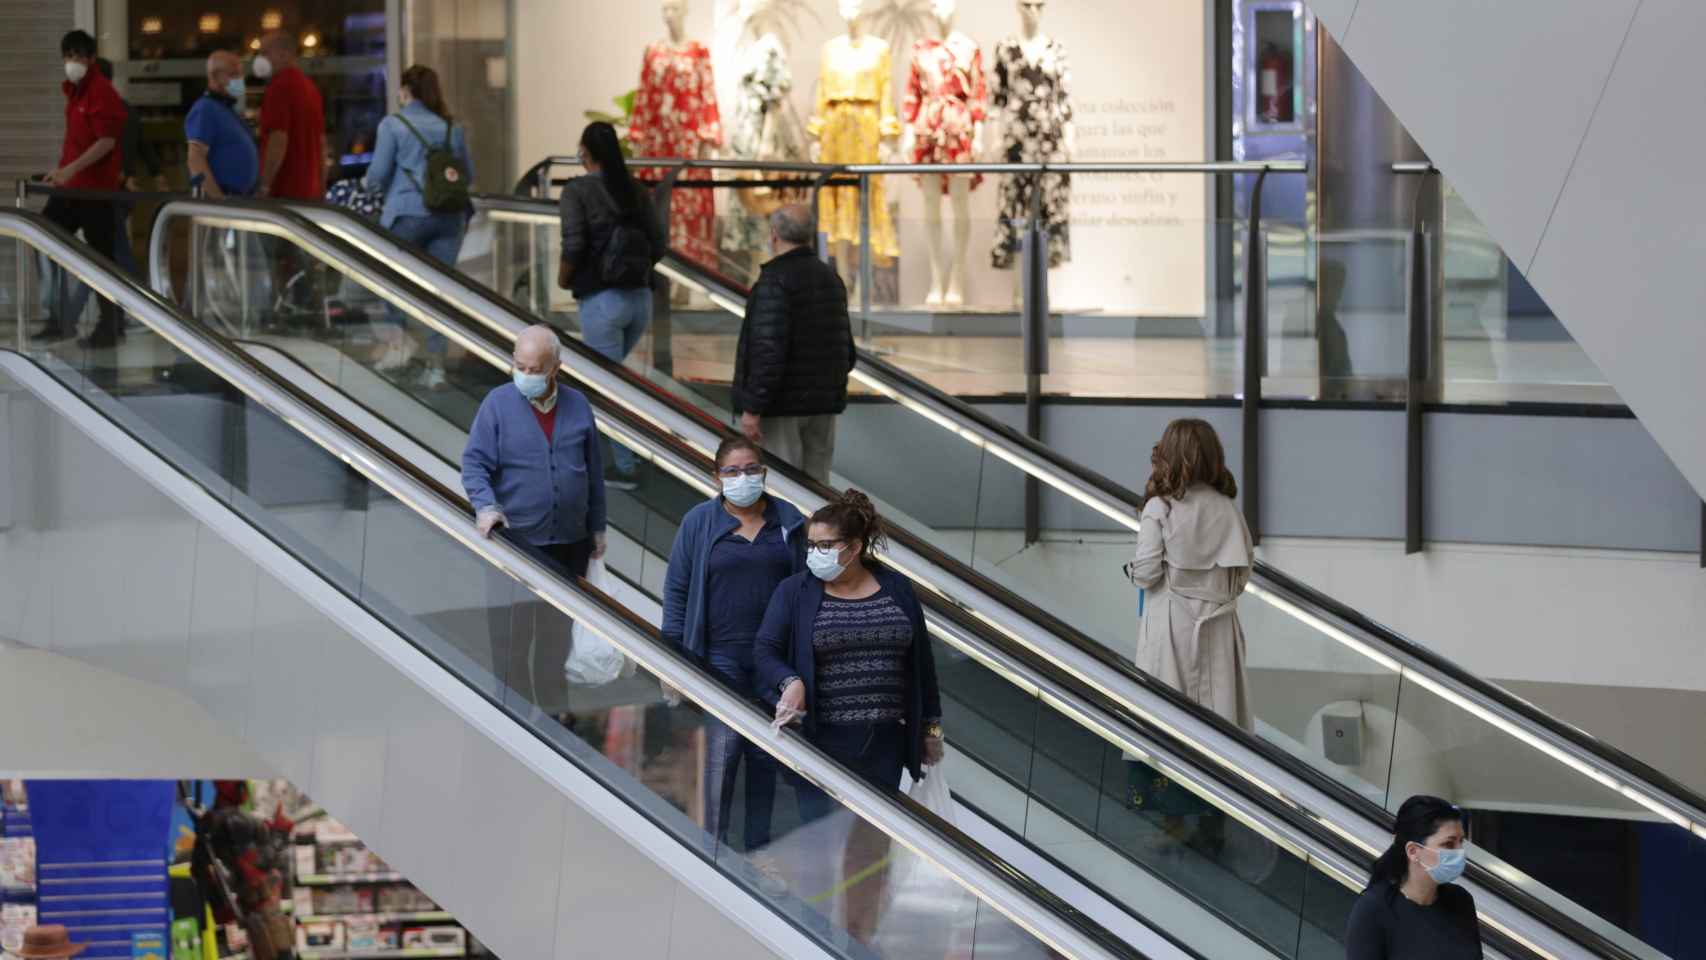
[
  {"x": 675, "y": 115},
  {"x": 944, "y": 109}
]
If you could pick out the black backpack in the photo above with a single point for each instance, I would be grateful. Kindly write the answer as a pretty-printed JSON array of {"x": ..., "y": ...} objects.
[
  {"x": 446, "y": 188},
  {"x": 626, "y": 260}
]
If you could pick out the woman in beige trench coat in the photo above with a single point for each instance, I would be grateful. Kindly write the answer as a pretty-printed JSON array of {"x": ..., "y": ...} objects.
[{"x": 1193, "y": 559}]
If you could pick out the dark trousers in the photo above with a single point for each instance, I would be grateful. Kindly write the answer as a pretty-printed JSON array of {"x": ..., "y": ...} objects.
[
  {"x": 99, "y": 226},
  {"x": 530, "y": 638},
  {"x": 727, "y": 751},
  {"x": 874, "y": 751}
]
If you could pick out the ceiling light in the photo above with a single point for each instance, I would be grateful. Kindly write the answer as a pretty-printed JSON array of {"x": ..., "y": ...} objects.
[
  {"x": 310, "y": 41},
  {"x": 152, "y": 25},
  {"x": 209, "y": 23},
  {"x": 272, "y": 20}
]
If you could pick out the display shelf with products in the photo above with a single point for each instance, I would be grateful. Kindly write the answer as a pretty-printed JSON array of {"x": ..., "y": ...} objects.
[
  {"x": 17, "y": 868},
  {"x": 375, "y": 954},
  {"x": 335, "y": 879},
  {"x": 349, "y": 903}
]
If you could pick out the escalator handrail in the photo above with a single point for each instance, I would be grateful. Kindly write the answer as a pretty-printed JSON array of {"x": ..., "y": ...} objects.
[
  {"x": 1614, "y": 760},
  {"x": 452, "y": 286},
  {"x": 1327, "y": 844},
  {"x": 1027, "y": 903},
  {"x": 1293, "y": 815}
]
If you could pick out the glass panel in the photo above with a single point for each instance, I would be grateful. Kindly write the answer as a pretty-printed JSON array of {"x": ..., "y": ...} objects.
[
  {"x": 1502, "y": 343},
  {"x": 1317, "y": 698},
  {"x": 836, "y": 874},
  {"x": 1312, "y": 691},
  {"x": 994, "y": 726},
  {"x": 1362, "y": 316},
  {"x": 1532, "y": 814}
]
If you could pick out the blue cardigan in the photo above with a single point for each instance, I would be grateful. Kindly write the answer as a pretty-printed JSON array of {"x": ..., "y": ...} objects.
[
  {"x": 547, "y": 495},
  {"x": 684, "y": 601},
  {"x": 783, "y": 649}
]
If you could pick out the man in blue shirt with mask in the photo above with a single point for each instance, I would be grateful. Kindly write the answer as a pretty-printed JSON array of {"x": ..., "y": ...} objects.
[
  {"x": 221, "y": 150},
  {"x": 533, "y": 464}
]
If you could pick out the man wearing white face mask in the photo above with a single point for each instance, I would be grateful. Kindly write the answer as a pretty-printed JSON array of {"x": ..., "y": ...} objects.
[
  {"x": 293, "y": 124},
  {"x": 730, "y": 554},
  {"x": 533, "y": 464},
  {"x": 89, "y": 159}
]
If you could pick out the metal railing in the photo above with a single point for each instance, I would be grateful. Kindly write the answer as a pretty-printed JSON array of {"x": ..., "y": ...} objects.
[
  {"x": 397, "y": 257},
  {"x": 1033, "y": 908}
]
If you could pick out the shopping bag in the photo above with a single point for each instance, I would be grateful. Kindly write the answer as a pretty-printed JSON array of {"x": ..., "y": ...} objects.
[
  {"x": 593, "y": 661},
  {"x": 924, "y": 909}
]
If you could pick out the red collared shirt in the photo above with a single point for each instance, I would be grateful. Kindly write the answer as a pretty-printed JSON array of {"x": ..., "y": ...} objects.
[{"x": 93, "y": 110}]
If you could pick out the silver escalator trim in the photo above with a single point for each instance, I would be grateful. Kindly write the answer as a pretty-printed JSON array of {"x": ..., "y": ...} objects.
[
  {"x": 1664, "y": 803},
  {"x": 646, "y": 837},
  {"x": 1231, "y": 754},
  {"x": 989, "y": 882}
]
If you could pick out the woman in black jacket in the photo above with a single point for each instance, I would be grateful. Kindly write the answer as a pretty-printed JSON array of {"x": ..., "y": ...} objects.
[
  {"x": 611, "y": 241},
  {"x": 1412, "y": 909},
  {"x": 843, "y": 649}
]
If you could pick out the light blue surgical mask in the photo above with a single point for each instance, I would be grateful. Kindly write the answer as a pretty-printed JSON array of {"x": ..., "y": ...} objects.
[
  {"x": 531, "y": 385},
  {"x": 743, "y": 491},
  {"x": 234, "y": 88},
  {"x": 1450, "y": 866},
  {"x": 825, "y": 564}
]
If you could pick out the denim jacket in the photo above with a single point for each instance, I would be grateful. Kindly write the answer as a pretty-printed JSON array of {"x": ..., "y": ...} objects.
[{"x": 399, "y": 161}]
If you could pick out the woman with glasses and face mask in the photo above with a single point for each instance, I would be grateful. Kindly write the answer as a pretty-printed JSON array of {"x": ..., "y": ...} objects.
[
  {"x": 844, "y": 649},
  {"x": 729, "y": 556},
  {"x": 1413, "y": 909}
]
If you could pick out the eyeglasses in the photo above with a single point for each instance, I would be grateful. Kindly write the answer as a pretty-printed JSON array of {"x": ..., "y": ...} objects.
[
  {"x": 751, "y": 470},
  {"x": 824, "y": 545}
]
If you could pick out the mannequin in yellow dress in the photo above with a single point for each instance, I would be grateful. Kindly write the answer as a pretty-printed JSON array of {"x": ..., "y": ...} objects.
[{"x": 852, "y": 122}]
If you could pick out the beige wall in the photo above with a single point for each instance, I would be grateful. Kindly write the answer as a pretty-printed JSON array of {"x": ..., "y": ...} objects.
[{"x": 1139, "y": 88}]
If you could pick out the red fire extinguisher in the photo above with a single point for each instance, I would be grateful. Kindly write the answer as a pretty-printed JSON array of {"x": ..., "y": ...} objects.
[{"x": 1274, "y": 85}]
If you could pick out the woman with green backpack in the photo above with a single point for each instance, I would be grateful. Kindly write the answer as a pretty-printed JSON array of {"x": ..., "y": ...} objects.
[{"x": 422, "y": 166}]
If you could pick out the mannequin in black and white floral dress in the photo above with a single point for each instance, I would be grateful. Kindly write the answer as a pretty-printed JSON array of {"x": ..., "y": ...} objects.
[{"x": 1030, "y": 89}]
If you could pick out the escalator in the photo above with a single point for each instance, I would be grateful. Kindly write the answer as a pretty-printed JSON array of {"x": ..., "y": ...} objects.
[
  {"x": 1050, "y": 760},
  {"x": 325, "y": 599}
]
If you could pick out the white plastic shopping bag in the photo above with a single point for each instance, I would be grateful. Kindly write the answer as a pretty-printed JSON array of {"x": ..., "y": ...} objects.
[
  {"x": 924, "y": 908},
  {"x": 593, "y": 661}
]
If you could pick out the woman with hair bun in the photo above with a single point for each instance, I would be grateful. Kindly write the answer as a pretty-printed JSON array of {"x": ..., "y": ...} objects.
[
  {"x": 1413, "y": 909},
  {"x": 843, "y": 651}
]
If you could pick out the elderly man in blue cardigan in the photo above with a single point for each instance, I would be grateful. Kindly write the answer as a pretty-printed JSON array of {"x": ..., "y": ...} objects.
[{"x": 533, "y": 465}]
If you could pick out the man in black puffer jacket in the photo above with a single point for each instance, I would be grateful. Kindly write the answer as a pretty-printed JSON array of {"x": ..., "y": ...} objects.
[{"x": 795, "y": 350}]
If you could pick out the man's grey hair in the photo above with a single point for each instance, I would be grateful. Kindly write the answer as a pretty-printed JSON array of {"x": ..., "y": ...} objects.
[
  {"x": 793, "y": 224},
  {"x": 539, "y": 337}
]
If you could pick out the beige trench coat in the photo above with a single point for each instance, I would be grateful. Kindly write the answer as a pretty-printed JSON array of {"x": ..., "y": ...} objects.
[{"x": 1194, "y": 558}]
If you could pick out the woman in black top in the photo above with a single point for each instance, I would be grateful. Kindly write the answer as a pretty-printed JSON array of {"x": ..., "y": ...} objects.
[
  {"x": 611, "y": 240},
  {"x": 1412, "y": 909}
]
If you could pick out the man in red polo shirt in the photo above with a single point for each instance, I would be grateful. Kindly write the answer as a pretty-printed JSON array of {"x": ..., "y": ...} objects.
[
  {"x": 293, "y": 124},
  {"x": 89, "y": 159}
]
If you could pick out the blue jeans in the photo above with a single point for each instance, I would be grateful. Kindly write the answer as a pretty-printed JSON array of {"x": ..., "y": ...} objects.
[
  {"x": 724, "y": 753},
  {"x": 612, "y": 322},
  {"x": 440, "y": 235}
]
